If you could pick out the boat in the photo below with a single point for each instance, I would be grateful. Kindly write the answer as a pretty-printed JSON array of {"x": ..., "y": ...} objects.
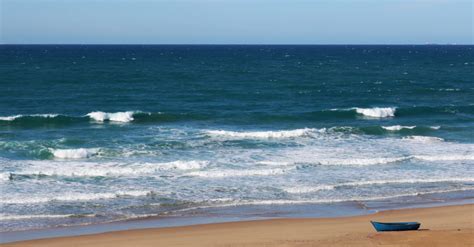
[{"x": 395, "y": 226}]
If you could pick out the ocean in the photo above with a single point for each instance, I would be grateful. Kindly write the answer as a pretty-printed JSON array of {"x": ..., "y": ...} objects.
[{"x": 103, "y": 133}]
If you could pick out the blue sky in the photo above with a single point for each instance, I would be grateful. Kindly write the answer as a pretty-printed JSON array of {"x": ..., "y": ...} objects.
[{"x": 236, "y": 21}]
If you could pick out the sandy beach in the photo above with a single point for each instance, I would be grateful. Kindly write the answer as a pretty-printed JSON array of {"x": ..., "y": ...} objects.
[{"x": 441, "y": 226}]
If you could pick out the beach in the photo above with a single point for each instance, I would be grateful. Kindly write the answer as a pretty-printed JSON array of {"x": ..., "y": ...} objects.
[{"x": 441, "y": 226}]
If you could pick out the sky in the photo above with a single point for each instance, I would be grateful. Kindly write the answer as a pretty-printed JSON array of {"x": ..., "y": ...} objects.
[{"x": 236, "y": 21}]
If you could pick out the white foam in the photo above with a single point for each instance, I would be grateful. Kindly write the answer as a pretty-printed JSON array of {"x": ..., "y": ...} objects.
[
  {"x": 264, "y": 134},
  {"x": 319, "y": 201},
  {"x": 5, "y": 176},
  {"x": 312, "y": 189},
  {"x": 106, "y": 169},
  {"x": 425, "y": 139},
  {"x": 11, "y": 118},
  {"x": 79, "y": 153},
  {"x": 238, "y": 173},
  {"x": 5, "y": 217},
  {"x": 72, "y": 197},
  {"x": 397, "y": 127},
  {"x": 435, "y": 127},
  {"x": 377, "y": 112},
  {"x": 308, "y": 189},
  {"x": 362, "y": 161},
  {"x": 116, "y": 116},
  {"x": 349, "y": 161},
  {"x": 446, "y": 157}
]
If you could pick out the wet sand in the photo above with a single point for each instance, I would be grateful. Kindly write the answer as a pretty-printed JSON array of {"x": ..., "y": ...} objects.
[{"x": 441, "y": 226}]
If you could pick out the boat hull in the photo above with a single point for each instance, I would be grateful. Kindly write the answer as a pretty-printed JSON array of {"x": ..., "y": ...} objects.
[{"x": 395, "y": 226}]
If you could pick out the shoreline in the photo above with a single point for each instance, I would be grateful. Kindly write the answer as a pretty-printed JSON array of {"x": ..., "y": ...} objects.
[
  {"x": 441, "y": 226},
  {"x": 240, "y": 213},
  {"x": 225, "y": 214}
]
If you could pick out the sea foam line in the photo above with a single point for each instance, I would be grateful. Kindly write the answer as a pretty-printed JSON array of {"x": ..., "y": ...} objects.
[
  {"x": 425, "y": 139},
  {"x": 110, "y": 169},
  {"x": 397, "y": 127},
  {"x": 265, "y": 134},
  {"x": 100, "y": 116},
  {"x": 377, "y": 112},
  {"x": 311, "y": 189},
  {"x": 238, "y": 173},
  {"x": 11, "y": 118},
  {"x": 78, "y": 153},
  {"x": 318, "y": 201},
  {"x": 73, "y": 197},
  {"x": 5, "y": 217}
]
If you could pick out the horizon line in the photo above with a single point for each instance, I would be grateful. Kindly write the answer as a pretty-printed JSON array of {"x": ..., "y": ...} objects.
[{"x": 256, "y": 44}]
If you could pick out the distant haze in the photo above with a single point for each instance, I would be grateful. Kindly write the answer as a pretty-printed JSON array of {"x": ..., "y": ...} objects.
[{"x": 236, "y": 22}]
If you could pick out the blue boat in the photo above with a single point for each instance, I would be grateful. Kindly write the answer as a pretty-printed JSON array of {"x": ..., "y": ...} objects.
[{"x": 395, "y": 226}]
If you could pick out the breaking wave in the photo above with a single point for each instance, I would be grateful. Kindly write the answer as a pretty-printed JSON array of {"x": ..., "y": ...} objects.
[
  {"x": 377, "y": 112},
  {"x": 5, "y": 217},
  {"x": 397, "y": 127},
  {"x": 73, "y": 197},
  {"x": 424, "y": 139},
  {"x": 12, "y": 118},
  {"x": 264, "y": 134},
  {"x": 79, "y": 153},
  {"x": 90, "y": 169},
  {"x": 238, "y": 173},
  {"x": 312, "y": 189},
  {"x": 100, "y": 116}
]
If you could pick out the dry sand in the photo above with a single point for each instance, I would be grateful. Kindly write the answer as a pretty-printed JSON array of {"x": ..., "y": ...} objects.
[{"x": 441, "y": 226}]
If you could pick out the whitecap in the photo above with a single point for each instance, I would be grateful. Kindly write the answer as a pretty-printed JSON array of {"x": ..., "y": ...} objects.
[
  {"x": 73, "y": 197},
  {"x": 79, "y": 153},
  {"x": 424, "y": 139},
  {"x": 312, "y": 189},
  {"x": 362, "y": 161},
  {"x": 115, "y": 117},
  {"x": 397, "y": 127},
  {"x": 446, "y": 157},
  {"x": 5, "y": 217},
  {"x": 11, "y": 118},
  {"x": 264, "y": 134},
  {"x": 340, "y": 162},
  {"x": 377, "y": 112},
  {"x": 106, "y": 169},
  {"x": 237, "y": 173},
  {"x": 5, "y": 176}
]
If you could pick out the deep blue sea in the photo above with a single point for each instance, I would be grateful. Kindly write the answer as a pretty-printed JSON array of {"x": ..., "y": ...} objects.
[{"x": 93, "y": 134}]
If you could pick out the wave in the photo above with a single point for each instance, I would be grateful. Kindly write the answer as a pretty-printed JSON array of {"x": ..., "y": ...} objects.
[
  {"x": 312, "y": 189},
  {"x": 79, "y": 153},
  {"x": 105, "y": 169},
  {"x": 424, "y": 139},
  {"x": 451, "y": 157},
  {"x": 54, "y": 120},
  {"x": 377, "y": 112},
  {"x": 370, "y": 161},
  {"x": 339, "y": 162},
  {"x": 12, "y": 118},
  {"x": 74, "y": 197},
  {"x": 264, "y": 134},
  {"x": 320, "y": 201},
  {"x": 238, "y": 173},
  {"x": 397, "y": 127},
  {"x": 5, "y": 217},
  {"x": 100, "y": 116}
]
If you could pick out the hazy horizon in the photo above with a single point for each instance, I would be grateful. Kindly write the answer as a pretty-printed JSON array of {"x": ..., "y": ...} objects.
[{"x": 228, "y": 22}]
